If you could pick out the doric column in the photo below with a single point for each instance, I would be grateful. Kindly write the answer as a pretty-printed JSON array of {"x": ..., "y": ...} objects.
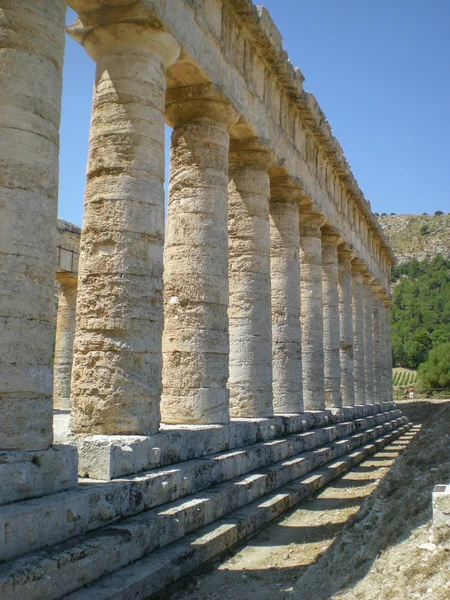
[
  {"x": 250, "y": 380},
  {"x": 358, "y": 332},
  {"x": 65, "y": 333},
  {"x": 285, "y": 282},
  {"x": 388, "y": 356},
  {"x": 116, "y": 379},
  {"x": 196, "y": 342},
  {"x": 312, "y": 310},
  {"x": 368, "y": 337},
  {"x": 331, "y": 327},
  {"x": 346, "y": 325},
  {"x": 377, "y": 356},
  {"x": 382, "y": 357},
  {"x": 31, "y": 59}
]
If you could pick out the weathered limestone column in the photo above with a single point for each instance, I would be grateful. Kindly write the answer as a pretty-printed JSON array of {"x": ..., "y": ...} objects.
[
  {"x": 116, "y": 379},
  {"x": 31, "y": 58},
  {"x": 377, "y": 356},
  {"x": 250, "y": 313},
  {"x": 196, "y": 342},
  {"x": 65, "y": 334},
  {"x": 368, "y": 337},
  {"x": 388, "y": 357},
  {"x": 312, "y": 310},
  {"x": 285, "y": 283},
  {"x": 346, "y": 325},
  {"x": 382, "y": 357},
  {"x": 358, "y": 332},
  {"x": 331, "y": 326}
]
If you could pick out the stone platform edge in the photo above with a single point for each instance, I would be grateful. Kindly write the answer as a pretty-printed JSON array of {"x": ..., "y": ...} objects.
[
  {"x": 108, "y": 457},
  {"x": 26, "y": 474}
]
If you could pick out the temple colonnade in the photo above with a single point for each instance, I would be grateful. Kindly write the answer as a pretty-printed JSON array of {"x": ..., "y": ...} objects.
[{"x": 267, "y": 291}]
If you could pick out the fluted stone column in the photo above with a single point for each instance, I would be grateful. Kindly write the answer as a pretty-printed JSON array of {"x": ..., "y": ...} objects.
[
  {"x": 285, "y": 282},
  {"x": 31, "y": 58},
  {"x": 388, "y": 357},
  {"x": 312, "y": 310},
  {"x": 358, "y": 332},
  {"x": 368, "y": 338},
  {"x": 377, "y": 356},
  {"x": 250, "y": 380},
  {"x": 331, "y": 326},
  {"x": 65, "y": 334},
  {"x": 116, "y": 378},
  {"x": 196, "y": 342},
  {"x": 346, "y": 325}
]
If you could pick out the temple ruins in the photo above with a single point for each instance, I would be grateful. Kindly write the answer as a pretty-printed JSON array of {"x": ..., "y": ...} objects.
[{"x": 209, "y": 371}]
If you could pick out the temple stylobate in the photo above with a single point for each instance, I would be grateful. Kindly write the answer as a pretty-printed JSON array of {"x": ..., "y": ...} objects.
[{"x": 261, "y": 304}]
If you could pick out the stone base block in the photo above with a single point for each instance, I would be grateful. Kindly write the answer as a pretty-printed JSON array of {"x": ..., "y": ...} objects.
[
  {"x": 109, "y": 457},
  {"x": 441, "y": 513},
  {"x": 32, "y": 474}
]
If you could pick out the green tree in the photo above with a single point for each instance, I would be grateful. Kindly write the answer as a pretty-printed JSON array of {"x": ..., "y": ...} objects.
[{"x": 435, "y": 372}]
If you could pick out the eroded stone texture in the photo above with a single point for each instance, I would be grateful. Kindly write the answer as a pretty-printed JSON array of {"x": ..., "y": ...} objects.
[
  {"x": 383, "y": 347},
  {"x": 331, "y": 327},
  {"x": 311, "y": 310},
  {"x": 285, "y": 282},
  {"x": 250, "y": 381},
  {"x": 368, "y": 338},
  {"x": 377, "y": 358},
  {"x": 116, "y": 380},
  {"x": 196, "y": 342},
  {"x": 358, "y": 332},
  {"x": 388, "y": 357},
  {"x": 65, "y": 334},
  {"x": 31, "y": 56},
  {"x": 346, "y": 325}
]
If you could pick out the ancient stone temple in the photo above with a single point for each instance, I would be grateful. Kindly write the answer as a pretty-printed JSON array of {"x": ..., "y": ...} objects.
[{"x": 211, "y": 371}]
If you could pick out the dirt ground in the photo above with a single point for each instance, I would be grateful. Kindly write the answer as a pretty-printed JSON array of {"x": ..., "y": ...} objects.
[{"x": 366, "y": 535}]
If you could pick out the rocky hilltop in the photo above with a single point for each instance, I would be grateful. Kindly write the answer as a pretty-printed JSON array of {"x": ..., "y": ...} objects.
[{"x": 417, "y": 236}]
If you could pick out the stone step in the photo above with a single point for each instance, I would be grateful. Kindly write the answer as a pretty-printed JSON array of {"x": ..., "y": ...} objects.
[
  {"x": 35, "y": 524},
  {"x": 108, "y": 457},
  {"x": 146, "y": 577},
  {"x": 66, "y": 567}
]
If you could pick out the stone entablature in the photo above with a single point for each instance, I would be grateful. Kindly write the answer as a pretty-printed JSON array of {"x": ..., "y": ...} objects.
[{"x": 67, "y": 247}]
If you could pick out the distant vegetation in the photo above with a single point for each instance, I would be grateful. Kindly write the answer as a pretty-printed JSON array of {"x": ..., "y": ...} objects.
[
  {"x": 420, "y": 310},
  {"x": 401, "y": 376},
  {"x": 435, "y": 372}
]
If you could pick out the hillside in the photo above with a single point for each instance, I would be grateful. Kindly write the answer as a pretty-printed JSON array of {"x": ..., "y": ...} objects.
[{"x": 417, "y": 236}]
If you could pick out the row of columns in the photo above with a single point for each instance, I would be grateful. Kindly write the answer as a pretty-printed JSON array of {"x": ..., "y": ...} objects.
[{"x": 251, "y": 290}]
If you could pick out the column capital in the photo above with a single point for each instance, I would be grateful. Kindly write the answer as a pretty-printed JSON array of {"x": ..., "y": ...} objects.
[
  {"x": 101, "y": 34},
  {"x": 331, "y": 239},
  {"x": 204, "y": 102},
  {"x": 388, "y": 301},
  {"x": 368, "y": 278},
  {"x": 345, "y": 252},
  {"x": 358, "y": 266},
  {"x": 376, "y": 288},
  {"x": 284, "y": 188},
  {"x": 251, "y": 152},
  {"x": 311, "y": 220}
]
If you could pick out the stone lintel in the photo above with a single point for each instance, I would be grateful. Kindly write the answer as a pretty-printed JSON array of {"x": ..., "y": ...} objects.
[
  {"x": 37, "y": 473},
  {"x": 110, "y": 457}
]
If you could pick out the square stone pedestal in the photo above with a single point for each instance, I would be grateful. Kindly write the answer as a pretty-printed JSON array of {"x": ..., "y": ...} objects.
[
  {"x": 37, "y": 473},
  {"x": 441, "y": 513}
]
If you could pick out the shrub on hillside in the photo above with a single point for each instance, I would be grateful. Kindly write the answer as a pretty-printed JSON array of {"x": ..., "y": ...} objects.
[
  {"x": 435, "y": 372},
  {"x": 438, "y": 213}
]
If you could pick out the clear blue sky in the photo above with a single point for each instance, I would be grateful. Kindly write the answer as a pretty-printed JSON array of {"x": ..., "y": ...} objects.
[{"x": 381, "y": 73}]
